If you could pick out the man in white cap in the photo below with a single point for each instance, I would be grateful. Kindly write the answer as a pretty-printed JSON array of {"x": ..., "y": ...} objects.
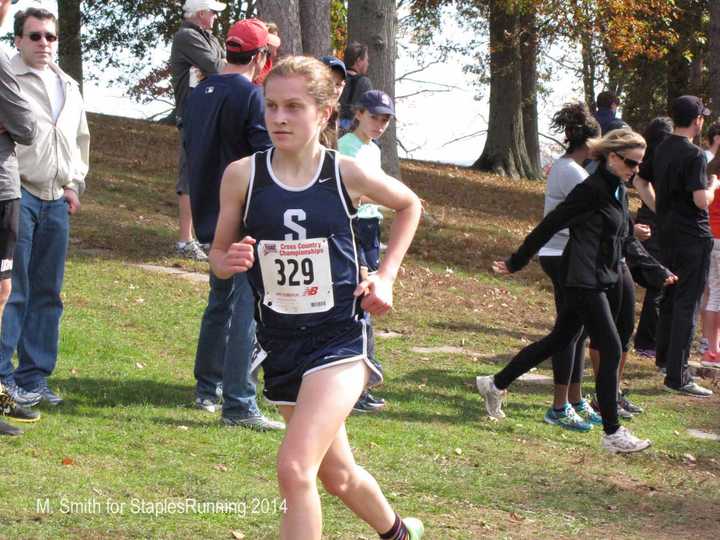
[{"x": 195, "y": 54}]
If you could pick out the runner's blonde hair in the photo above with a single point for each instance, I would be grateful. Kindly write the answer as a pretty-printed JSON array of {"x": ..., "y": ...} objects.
[{"x": 616, "y": 140}]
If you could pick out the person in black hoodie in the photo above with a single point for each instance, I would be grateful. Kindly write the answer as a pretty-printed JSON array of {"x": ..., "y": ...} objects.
[{"x": 596, "y": 212}]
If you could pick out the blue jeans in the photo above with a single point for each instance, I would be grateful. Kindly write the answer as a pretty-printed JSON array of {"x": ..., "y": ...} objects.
[
  {"x": 31, "y": 322},
  {"x": 225, "y": 346}
]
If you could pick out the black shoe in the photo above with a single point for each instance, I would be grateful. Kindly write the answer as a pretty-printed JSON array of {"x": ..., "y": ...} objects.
[
  {"x": 363, "y": 405},
  {"x": 373, "y": 401},
  {"x": 7, "y": 429},
  {"x": 9, "y": 408},
  {"x": 628, "y": 405},
  {"x": 48, "y": 395}
]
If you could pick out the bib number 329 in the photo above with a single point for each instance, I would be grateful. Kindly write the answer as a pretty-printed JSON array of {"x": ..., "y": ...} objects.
[{"x": 296, "y": 275}]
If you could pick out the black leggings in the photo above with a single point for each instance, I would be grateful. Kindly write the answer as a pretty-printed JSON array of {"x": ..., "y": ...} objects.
[
  {"x": 586, "y": 307},
  {"x": 622, "y": 304},
  {"x": 568, "y": 364}
]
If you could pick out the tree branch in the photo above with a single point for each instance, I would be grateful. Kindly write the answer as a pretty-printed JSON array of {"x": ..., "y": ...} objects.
[
  {"x": 553, "y": 139},
  {"x": 419, "y": 70},
  {"x": 470, "y": 136},
  {"x": 574, "y": 69},
  {"x": 424, "y": 91}
]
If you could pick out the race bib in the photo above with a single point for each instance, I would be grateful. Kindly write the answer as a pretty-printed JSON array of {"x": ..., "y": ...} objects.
[{"x": 296, "y": 275}]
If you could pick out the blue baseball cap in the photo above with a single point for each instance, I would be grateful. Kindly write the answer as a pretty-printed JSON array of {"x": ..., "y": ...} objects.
[
  {"x": 335, "y": 64},
  {"x": 377, "y": 102}
]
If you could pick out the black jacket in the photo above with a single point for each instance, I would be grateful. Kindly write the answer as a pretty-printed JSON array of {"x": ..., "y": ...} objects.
[
  {"x": 596, "y": 212},
  {"x": 355, "y": 87}
]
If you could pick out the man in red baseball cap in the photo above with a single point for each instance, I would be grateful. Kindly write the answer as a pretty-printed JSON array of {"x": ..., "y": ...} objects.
[
  {"x": 249, "y": 35},
  {"x": 252, "y": 34}
]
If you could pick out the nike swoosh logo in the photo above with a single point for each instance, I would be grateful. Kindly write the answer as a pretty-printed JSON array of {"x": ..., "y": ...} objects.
[{"x": 324, "y": 180}]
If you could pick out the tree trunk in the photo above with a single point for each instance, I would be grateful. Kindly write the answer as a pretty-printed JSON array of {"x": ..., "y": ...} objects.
[
  {"x": 315, "y": 24},
  {"x": 713, "y": 60},
  {"x": 286, "y": 14},
  {"x": 529, "y": 75},
  {"x": 678, "y": 72},
  {"x": 588, "y": 69},
  {"x": 70, "y": 39},
  {"x": 374, "y": 22},
  {"x": 505, "y": 152},
  {"x": 645, "y": 92}
]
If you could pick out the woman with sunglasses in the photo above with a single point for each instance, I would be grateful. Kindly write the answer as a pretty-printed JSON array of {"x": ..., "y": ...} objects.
[{"x": 596, "y": 213}]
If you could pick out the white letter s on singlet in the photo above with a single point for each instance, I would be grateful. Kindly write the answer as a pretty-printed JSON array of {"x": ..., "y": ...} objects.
[{"x": 291, "y": 217}]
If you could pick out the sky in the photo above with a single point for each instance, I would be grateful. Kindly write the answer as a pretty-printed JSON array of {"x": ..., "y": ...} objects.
[{"x": 427, "y": 122}]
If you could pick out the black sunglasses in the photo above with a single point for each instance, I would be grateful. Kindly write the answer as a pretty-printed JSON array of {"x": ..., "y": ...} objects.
[
  {"x": 629, "y": 162},
  {"x": 37, "y": 36}
]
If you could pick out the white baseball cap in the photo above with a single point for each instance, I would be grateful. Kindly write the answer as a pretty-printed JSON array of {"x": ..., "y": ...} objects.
[{"x": 192, "y": 6}]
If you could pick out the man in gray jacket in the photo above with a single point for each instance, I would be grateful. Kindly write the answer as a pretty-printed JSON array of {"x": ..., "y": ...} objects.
[
  {"x": 195, "y": 54},
  {"x": 17, "y": 126}
]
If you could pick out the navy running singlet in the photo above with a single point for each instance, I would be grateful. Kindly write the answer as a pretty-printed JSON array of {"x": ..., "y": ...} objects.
[{"x": 306, "y": 257}]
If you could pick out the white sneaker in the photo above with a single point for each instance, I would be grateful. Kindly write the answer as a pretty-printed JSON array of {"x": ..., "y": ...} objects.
[
  {"x": 190, "y": 250},
  {"x": 493, "y": 396},
  {"x": 622, "y": 441},
  {"x": 691, "y": 389}
]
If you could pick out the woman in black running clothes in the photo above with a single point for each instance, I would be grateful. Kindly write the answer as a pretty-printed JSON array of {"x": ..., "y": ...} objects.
[
  {"x": 597, "y": 215},
  {"x": 569, "y": 409}
]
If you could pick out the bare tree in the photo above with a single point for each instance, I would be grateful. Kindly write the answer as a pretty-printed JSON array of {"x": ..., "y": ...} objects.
[
  {"x": 505, "y": 152},
  {"x": 70, "y": 43},
  {"x": 714, "y": 56},
  {"x": 315, "y": 24},
  {"x": 286, "y": 14},
  {"x": 529, "y": 50},
  {"x": 374, "y": 22}
]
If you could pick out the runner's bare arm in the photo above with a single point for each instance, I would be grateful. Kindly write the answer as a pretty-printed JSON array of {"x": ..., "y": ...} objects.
[
  {"x": 230, "y": 255},
  {"x": 395, "y": 195}
]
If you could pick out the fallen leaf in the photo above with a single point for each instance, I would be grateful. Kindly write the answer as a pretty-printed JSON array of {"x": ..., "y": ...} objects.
[
  {"x": 183, "y": 428},
  {"x": 139, "y": 365},
  {"x": 237, "y": 535},
  {"x": 220, "y": 467},
  {"x": 458, "y": 451},
  {"x": 68, "y": 461},
  {"x": 516, "y": 517}
]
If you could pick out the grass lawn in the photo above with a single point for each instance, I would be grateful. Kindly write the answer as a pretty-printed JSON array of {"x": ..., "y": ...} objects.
[{"x": 126, "y": 455}]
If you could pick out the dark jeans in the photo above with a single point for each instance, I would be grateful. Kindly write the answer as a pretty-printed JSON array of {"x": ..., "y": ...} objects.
[
  {"x": 568, "y": 364},
  {"x": 586, "y": 307},
  {"x": 31, "y": 322},
  {"x": 225, "y": 346},
  {"x": 689, "y": 259},
  {"x": 647, "y": 325}
]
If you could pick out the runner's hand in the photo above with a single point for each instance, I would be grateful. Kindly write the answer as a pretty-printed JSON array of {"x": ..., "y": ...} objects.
[
  {"x": 642, "y": 232},
  {"x": 499, "y": 267},
  {"x": 377, "y": 295},
  {"x": 672, "y": 279},
  {"x": 240, "y": 256}
]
